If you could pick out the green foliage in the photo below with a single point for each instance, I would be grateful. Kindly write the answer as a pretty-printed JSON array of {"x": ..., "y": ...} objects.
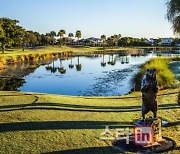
[
  {"x": 165, "y": 76},
  {"x": 70, "y": 35},
  {"x": 1, "y": 31},
  {"x": 11, "y": 84},
  {"x": 103, "y": 37},
  {"x": 10, "y": 32},
  {"x": 173, "y": 14},
  {"x": 62, "y": 32},
  {"x": 78, "y": 34},
  {"x": 52, "y": 33}
]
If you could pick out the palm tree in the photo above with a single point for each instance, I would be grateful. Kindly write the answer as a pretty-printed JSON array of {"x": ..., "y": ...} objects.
[
  {"x": 52, "y": 35},
  {"x": 70, "y": 35},
  {"x": 116, "y": 39},
  {"x": 127, "y": 40},
  {"x": 61, "y": 33},
  {"x": 103, "y": 38},
  {"x": 78, "y": 34},
  {"x": 173, "y": 14}
]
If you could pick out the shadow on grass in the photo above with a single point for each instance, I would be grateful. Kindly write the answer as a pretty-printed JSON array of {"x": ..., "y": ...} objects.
[
  {"x": 57, "y": 125},
  {"x": 89, "y": 150},
  {"x": 78, "y": 108},
  {"x": 130, "y": 97},
  {"x": 176, "y": 123}
]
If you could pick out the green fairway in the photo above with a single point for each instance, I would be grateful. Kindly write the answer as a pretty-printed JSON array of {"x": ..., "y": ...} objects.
[
  {"x": 40, "y": 123},
  {"x": 34, "y": 54}
]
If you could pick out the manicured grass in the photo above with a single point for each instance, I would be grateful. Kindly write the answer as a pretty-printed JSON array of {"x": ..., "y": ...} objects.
[{"x": 39, "y": 123}]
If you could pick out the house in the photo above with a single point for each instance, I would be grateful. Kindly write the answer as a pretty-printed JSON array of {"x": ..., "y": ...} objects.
[
  {"x": 161, "y": 41},
  {"x": 166, "y": 41},
  {"x": 177, "y": 44},
  {"x": 152, "y": 41},
  {"x": 95, "y": 41}
]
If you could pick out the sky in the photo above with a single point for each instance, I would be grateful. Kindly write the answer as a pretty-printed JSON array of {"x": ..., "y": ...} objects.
[{"x": 131, "y": 18}]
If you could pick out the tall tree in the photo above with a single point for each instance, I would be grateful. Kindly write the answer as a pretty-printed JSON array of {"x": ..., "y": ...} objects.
[
  {"x": 70, "y": 35},
  {"x": 38, "y": 37},
  {"x": 78, "y": 34},
  {"x": 48, "y": 38},
  {"x": 103, "y": 38},
  {"x": 127, "y": 40},
  {"x": 33, "y": 39},
  {"x": 61, "y": 33},
  {"x": 117, "y": 38},
  {"x": 52, "y": 35},
  {"x": 11, "y": 32},
  {"x": 1, "y": 32},
  {"x": 173, "y": 14},
  {"x": 110, "y": 41},
  {"x": 44, "y": 39},
  {"x": 25, "y": 39}
]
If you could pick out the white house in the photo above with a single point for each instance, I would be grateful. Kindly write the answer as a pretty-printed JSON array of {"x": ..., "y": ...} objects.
[
  {"x": 95, "y": 41},
  {"x": 166, "y": 41}
]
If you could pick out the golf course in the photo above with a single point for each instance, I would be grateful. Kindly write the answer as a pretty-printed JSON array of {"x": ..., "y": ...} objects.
[
  {"x": 89, "y": 77},
  {"x": 45, "y": 123}
]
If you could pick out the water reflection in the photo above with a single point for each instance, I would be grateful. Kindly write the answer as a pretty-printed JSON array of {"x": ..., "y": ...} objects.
[
  {"x": 71, "y": 65},
  {"x": 61, "y": 69},
  {"x": 111, "y": 61},
  {"x": 103, "y": 74},
  {"x": 52, "y": 68},
  {"x": 103, "y": 63},
  {"x": 78, "y": 66},
  {"x": 124, "y": 60},
  {"x": 11, "y": 84}
]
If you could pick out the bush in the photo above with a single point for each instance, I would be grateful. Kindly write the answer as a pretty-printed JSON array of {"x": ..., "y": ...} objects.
[{"x": 165, "y": 76}]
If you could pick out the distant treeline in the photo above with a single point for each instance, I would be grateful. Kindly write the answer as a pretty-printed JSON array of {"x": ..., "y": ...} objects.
[{"x": 12, "y": 35}]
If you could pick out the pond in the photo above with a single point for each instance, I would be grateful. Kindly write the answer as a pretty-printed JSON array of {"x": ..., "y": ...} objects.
[
  {"x": 92, "y": 75},
  {"x": 97, "y": 75}
]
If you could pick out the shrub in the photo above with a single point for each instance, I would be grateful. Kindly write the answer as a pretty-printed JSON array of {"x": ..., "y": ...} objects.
[{"x": 165, "y": 76}]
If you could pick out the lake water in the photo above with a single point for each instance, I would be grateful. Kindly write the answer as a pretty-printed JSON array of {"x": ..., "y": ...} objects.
[{"x": 95, "y": 75}]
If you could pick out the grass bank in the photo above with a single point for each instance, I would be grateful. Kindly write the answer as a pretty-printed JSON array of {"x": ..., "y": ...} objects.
[
  {"x": 41, "y": 53},
  {"x": 165, "y": 76},
  {"x": 17, "y": 55},
  {"x": 35, "y": 54},
  {"x": 41, "y": 123}
]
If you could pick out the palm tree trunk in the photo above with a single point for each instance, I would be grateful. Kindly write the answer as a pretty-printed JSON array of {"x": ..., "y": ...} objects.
[
  {"x": 60, "y": 41},
  {"x": 23, "y": 46},
  {"x": 3, "y": 48}
]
